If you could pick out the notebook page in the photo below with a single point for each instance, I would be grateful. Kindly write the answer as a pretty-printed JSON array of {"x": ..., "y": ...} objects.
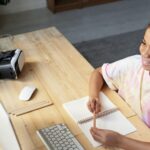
[
  {"x": 78, "y": 110},
  {"x": 115, "y": 121}
]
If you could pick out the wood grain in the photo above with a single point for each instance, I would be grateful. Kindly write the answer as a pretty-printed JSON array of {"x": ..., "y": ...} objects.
[
  {"x": 27, "y": 124},
  {"x": 61, "y": 74}
]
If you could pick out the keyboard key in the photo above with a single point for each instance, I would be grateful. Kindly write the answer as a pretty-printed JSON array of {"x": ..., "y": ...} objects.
[{"x": 59, "y": 137}]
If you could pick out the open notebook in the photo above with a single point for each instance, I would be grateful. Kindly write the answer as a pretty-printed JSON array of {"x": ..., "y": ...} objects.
[{"x": 113, "y": 120}]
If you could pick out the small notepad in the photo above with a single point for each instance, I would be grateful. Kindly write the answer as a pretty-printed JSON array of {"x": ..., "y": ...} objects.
[{"x": 115, "y": 120}]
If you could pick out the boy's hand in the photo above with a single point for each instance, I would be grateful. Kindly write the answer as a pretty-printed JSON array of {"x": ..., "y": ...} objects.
[
  {"x": 106, "y": 137},
  {"x": 94, "y": 105}
]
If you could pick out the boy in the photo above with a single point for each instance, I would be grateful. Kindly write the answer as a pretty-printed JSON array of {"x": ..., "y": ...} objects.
[{"x": 130, "y": 77}]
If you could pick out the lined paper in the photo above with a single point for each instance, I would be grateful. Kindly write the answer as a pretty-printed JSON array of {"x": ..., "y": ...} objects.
[{"x": 115, "y": 121}]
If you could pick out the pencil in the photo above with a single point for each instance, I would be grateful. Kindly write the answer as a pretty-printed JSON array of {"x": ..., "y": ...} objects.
[
  {"x": 94, "y": 115},
  {"x": 94, "y": 119}
]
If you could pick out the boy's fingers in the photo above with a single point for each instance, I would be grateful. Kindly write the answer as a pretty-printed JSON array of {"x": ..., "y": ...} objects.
[
  {"x": 98, "y": 107},
  {"x": 96, "y": 130},
  {"x": 95, "y": 135},
  {"x": 93, "y": 105},
  {"x": 97, "y": 138},
  {"x": 89, "y": 107}
]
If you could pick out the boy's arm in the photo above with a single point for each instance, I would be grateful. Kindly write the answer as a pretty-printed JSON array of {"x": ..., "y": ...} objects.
[
  {"x": 130, "y": 144},
  {"x": 95, "y": 85},
  {"x": 114, "y": 139}
]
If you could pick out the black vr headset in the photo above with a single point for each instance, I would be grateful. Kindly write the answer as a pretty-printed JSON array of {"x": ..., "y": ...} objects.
[{"x": 11, "y": 64}]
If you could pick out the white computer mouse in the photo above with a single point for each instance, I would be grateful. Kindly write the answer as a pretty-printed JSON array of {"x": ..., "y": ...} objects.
[{"x": 27, "y": 92}]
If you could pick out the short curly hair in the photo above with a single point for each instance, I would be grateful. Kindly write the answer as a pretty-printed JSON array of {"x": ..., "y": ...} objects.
[{"x": 148, "y": 26}]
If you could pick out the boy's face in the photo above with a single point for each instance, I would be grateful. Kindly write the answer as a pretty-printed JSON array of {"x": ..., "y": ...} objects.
[{"x": 145, "y": 50}]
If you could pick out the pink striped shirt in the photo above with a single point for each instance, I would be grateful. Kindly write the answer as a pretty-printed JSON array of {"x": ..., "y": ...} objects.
[{"x": 132, "y": 83}]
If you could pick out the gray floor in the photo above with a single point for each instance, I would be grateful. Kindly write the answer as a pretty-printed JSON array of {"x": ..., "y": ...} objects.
[{"x": 82, "y": 24}]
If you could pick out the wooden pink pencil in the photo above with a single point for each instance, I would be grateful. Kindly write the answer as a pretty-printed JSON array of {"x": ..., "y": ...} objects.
[
  {"x": 94, "y": 119},
  {"x": 94, "y": 115}
]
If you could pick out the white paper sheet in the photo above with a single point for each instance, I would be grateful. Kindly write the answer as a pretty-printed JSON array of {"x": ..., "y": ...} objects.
[{"x": 116, "y": 121}]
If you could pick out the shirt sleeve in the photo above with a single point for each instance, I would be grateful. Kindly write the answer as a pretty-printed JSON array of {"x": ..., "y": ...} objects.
[
  {"x": 114, "y": 73},
  {"x": 108, "y": 76}
]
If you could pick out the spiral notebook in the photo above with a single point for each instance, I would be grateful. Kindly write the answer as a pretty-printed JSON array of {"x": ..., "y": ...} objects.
[{"x": 109, "y": 118}]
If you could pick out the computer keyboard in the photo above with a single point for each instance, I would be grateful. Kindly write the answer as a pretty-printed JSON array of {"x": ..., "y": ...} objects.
[{"x": 59, "y": 137}]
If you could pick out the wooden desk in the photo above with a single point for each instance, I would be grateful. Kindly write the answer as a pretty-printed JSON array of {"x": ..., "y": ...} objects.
[{"x": 62, "y": 74}]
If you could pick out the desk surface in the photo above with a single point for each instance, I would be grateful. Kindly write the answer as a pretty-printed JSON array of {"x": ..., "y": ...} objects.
[{"x": 61, "y": 74}]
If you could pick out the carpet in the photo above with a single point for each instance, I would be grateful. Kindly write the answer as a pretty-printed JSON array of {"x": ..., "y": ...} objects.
[{"x": 109, "y": 49}]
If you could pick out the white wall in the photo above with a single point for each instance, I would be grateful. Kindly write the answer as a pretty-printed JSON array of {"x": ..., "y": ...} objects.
[{"x": 22, "y": 5}]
